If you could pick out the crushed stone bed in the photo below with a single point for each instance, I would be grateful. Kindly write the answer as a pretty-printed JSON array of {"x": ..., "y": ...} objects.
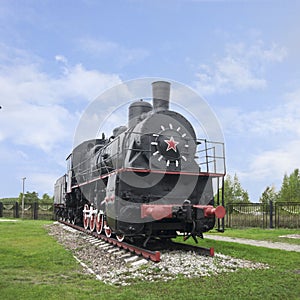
[{"x": 111, "y": 268}]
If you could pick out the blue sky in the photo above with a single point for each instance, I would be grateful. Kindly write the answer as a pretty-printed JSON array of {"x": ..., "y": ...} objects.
[{"x": 242, "y": 57}]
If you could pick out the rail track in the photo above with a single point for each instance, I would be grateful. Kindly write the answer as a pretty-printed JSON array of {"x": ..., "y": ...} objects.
[{"x": 153, "y": 253}]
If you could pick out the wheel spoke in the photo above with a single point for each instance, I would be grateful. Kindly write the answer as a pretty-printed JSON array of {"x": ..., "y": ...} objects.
[
  {"x": 99, "y": 223},
  {"x": 86, "y": 218},
  {"x": 107, "y": 230},
  {"x": 92, "y": 222}
]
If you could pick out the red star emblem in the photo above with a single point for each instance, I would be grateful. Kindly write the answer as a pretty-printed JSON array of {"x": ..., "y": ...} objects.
[{"x": 171, "y": 144}]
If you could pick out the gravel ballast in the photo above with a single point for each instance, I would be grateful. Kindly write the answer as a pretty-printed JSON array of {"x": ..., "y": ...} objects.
[{"x": 120, "y": 268}]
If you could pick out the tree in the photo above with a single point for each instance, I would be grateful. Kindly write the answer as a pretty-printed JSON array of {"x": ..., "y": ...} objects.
[
  {"x": 268, "y": 195},
  {"x": 9, "y": 200},
  {"x": 233, "y": 191},
  {"x": 290, "y": 188},
  {"x": 29, "y": 197},
  {"x": 46, "y": 199}
]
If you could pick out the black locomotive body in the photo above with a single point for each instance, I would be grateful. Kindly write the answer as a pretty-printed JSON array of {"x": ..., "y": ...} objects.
[{"x": 146, "y": 180}]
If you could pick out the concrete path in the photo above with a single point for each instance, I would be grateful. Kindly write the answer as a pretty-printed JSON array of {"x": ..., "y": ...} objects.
[{"x": 273, "y": 245}]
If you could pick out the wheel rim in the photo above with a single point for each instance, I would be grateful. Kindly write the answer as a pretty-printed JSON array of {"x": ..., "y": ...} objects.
[
  {"x": 120, "y": 237},
  {"x": 92, "y": 222},
  {"x": 99, "y": 223},
  {"x": 85, "y": 217},
  {"x": 107, "y": 230}
]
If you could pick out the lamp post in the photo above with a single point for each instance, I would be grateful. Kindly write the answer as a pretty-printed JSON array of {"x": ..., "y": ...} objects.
[{"x": 23, "y": 179}]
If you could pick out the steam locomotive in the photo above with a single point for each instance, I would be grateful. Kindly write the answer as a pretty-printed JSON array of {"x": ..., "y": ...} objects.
[{"x": 150, "y": 179}]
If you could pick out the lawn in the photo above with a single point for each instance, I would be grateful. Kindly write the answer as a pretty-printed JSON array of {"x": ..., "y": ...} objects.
[{"x": 34, "y": 266}]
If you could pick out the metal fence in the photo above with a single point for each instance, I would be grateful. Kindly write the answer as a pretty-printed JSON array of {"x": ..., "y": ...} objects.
[
  {"x": 278, "y": 215},
  {"x": 35, "y": 211},
  {"x": 246, "y": 215},
  {"x": 287, "y": 215},
  {"x": 239, "y": 215}
]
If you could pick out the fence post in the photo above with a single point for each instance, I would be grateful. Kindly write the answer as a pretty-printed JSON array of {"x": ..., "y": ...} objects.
[
  {"x": 17, "y": 210},
  {"x": 271, "y": 214},
  {"x": 229, "y": 209},
  {"x": 35, "y": 210},
  {"x": 1, "y": 209}
]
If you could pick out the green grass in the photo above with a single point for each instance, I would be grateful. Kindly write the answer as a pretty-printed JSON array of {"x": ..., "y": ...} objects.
[
  {"x": 34, "y": 266},
  {"x": 272, "y": 235}
]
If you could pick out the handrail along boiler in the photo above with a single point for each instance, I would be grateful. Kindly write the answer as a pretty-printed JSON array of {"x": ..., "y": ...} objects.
[{"x": 152, "y": 178}]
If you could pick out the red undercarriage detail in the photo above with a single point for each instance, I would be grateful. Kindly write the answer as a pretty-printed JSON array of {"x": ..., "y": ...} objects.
[
  {"x": 156, "y": 211},
  {"x": 209, "y": 210},
  {"x": 161, "y": 211}
]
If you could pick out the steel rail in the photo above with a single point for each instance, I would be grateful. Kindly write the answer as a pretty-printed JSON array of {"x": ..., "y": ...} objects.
[
  {"x": 146, "y": 253},
  {"x": 150, "y": 254}
]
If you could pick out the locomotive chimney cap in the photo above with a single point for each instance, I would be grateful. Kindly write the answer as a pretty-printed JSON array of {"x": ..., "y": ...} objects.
[{"x": 161, "y": 95}]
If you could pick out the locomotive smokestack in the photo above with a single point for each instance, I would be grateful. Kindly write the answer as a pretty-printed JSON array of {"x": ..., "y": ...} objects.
[{"x": 161, "y": 95}]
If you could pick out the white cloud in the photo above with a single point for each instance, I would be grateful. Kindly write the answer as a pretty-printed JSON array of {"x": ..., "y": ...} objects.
[
  {"x": 39, "y": 115},
  {"x": 281, "y": 120},
  {"x": 241, "y": 68},
  {"x": 42, "y": 182},
  {"x": 87, "y": 84},
  {"x": 38, "y": 126},
  {"x": 283, "y": 126},
  {"x": 117, "y": 53},
  {"x": 257, "y": 52},
  {"x": 98, "y": 46},
  {"x": 27, "y": 83},
  {"x": 61, "y": 58},
  {"x": 38, "y": 109},
  {"x": 265, "y": 144},
  {"x": 276, "y": 162}
]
